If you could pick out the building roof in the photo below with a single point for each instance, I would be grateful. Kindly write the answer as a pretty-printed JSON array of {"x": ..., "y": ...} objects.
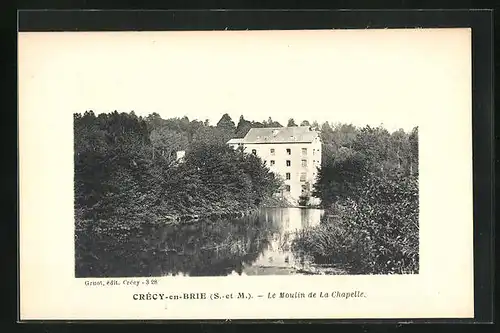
[
  {"x": 236, "y": 140},
  {"x": 281, "y": 135}
]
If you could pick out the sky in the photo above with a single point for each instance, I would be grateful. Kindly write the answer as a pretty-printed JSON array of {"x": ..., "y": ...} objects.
[{"x": 342, "y": 76}]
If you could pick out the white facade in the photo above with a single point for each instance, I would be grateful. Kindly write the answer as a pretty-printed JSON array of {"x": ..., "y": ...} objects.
[
  {"x": 235, "y": 143},
  {"x": 294, "y": 155},
  {"x": 180, "y": 155}
]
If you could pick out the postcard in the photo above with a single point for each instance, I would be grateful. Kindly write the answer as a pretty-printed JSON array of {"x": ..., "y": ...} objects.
[{"x": 198, "y": 175}]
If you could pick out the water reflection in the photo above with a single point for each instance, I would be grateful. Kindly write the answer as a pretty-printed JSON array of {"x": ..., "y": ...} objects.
[
  {"x": 277, "y": 257},
  {"x": 253, "y": 245}
]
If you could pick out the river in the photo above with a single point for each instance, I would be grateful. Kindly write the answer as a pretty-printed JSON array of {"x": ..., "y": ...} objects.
[{"x": 258, "y": 244}]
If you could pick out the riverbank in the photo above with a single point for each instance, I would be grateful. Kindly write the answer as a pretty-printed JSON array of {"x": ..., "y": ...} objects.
[
  {"x": 321, "y": 270},
  {"x": 309, "y": 269},
  {"x": 192, "y": 218},
  {"x": 168, "y": 219},
  {"x": 369, "y": 233}
]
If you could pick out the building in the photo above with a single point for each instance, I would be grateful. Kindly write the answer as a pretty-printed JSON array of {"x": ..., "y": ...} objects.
[
  {"x": 294, "y": 153},
  {"x": 235, "y": 143},
  {"x": 179, "y": 156}
]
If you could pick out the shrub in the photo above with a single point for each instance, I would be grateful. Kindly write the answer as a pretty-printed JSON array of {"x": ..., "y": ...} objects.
[
  {"x": 375, "y": 233},
  {"x": 303, "y": 200}
]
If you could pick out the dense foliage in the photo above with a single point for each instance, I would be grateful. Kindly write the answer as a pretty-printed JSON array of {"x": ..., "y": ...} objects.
[
  {"x": 368, "y": 184},
  {"x": 127, "y": 173},
  {"x": 350, "y": 154},
  {"x": 245, "y": 125},
  {"x": 374, "y": 232}
]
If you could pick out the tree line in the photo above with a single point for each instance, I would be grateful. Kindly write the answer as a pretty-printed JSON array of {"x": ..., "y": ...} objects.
[
  {"x": 127, "y": 173},
  {"x": 351, "y": 154},
  {"x": 368, "y": 185},
  {"x": 129, "y": 160}
]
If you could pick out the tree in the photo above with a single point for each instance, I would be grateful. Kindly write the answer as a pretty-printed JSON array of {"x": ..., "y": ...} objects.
[
  {"x": 226, "y": 123},
  {"x": 400, "y": 154},
  {"x": 194, "y": 127},
  {"x": 166, "y": 142},
  {"x": 315, "y": 125},
  {"x": 305, "y": 123},
  {"x": 339, "y": 177},
  {"x": 111, "y": 163},
  {"x": 243, "y": 127},
  {"x": 271, "y": 123},
  {"x": 327, "y": 134},
  {"x": 154, "y": 121},
  {"x": 291, "y": 123},
  {"x": 344, "y": 135},
  {"x": 374, "y": 143},
  {"x": 413, "y": 143},
  {"x": 330, "y": 147}
]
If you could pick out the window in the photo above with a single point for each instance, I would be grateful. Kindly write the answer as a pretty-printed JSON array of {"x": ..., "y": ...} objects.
[
  {"x": 287, "y": 188},
  {"x": 288, "y": 176},
  {"x": 288, "y": 163},
  {"x": 272, "y": 162},
  {"x": 254, "y": 151},
  {"x": 314, "y": 150},
  {"x": 289, "y": 151},
  {"x": 304, "y": 163},
  {"x": 304, "y": 151},
  {"x": 272, "y": 151},
  {"x": 303, "y": 177}
]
